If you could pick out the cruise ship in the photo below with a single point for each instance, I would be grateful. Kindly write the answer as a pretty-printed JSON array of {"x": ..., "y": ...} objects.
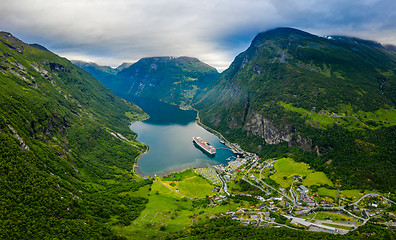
[{"x": 204, "y": 145}]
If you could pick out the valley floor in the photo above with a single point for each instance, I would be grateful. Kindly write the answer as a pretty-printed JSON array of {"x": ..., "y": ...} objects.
[{"x": 262, "y": 193}]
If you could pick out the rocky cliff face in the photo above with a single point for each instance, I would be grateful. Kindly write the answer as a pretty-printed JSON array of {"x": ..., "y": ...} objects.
[{"x": 259, "y": 126}]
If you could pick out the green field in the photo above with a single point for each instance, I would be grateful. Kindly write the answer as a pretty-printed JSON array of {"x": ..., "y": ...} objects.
[
  {"x": 179, "y": 176},
  {"x": 164, "y": 209},
  {"x": 286, "y": 168},
  {"x": 335, "y": 217},
  {"x": 346, "y": 117},
  {"x": 354, "y": 193},
  {"x": 338, "y": 226},
  {"x": 314, "y": 119},
  {"x": 188, "y": 183},
  {"x": 317, "y": 178},
  {"x": 327, "y": 192},
  {"x": 196, "y": 187}
]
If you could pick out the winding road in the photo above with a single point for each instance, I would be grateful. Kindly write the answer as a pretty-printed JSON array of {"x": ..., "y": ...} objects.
[{"x": 372, "y": 195}]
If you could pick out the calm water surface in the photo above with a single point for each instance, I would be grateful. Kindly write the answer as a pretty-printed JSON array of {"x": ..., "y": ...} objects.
[{"x": 169, "y": 133}]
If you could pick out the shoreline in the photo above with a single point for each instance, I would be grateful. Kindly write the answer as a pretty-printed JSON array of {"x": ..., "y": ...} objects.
[
  {"x": 166, "y": 173},
  {"x": 198, "y": 120},
  {"x": 231, "y": 146},
  {"x": 136, "y": 164},
  {"x": 135, "y": 167}
]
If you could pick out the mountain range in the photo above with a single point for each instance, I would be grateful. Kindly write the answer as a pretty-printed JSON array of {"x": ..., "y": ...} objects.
[{"x": 176, "y": 80}]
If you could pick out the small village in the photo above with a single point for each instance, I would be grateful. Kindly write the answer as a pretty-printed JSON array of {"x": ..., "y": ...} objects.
[
  {"x": 287, "y": 202},
  {"x": 266, "y": 193}
]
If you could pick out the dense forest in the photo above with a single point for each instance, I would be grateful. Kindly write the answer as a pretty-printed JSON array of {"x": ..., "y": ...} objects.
[{"x": 66, "y": 151}]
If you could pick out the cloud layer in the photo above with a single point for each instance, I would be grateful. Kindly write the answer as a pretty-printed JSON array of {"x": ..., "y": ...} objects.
[{"x": 112, "y": 31}]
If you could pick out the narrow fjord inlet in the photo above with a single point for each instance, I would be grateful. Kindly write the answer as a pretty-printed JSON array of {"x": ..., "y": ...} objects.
[{"x": 169, "y": 139}]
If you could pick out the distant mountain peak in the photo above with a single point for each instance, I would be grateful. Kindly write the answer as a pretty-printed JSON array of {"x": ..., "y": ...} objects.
[
  {"x": 281, "y": 33},
  {"x": 167, "y": 78},
  {"x": 124, "y": 65},
  {"x": 96, "y": 70},
  {"x": 169, "y": 59}
]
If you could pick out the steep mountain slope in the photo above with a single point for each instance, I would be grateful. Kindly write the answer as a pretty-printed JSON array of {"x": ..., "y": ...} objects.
[
  {"x": 170, "y": 79},
  {"x": 331, "y": 97},
  {"x": 65, "y": 149},
  {"x": 99, "y": 72}
]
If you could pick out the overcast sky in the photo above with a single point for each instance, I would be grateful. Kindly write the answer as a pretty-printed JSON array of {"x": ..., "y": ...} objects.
[{"x": 110, "y": 32}]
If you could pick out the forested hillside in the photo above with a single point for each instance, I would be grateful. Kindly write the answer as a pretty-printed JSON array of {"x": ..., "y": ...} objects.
[
  {"x": 328, "y": 101},
  {"x": 66, "y": 151},
  {"x": 176, "y": 80}
]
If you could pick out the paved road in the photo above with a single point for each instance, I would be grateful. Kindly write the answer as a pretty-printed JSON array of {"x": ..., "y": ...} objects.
[
  {"x": 267, "y": 185},
  {"x": 371, "y": 194},
  {"x": 287, "y": 197},
  {"x": 251, "y": 167}
]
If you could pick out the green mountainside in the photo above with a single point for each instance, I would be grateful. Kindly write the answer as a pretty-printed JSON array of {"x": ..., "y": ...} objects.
[
  {"x": 329, "y": 101},
  {"x": 66, "y": 151},
  {"x": 176, "y": 80},
  {"x": 99, "y": 72}
]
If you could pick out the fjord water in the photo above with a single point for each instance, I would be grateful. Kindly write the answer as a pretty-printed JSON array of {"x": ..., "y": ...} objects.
[{"x": 168, "y": 132}]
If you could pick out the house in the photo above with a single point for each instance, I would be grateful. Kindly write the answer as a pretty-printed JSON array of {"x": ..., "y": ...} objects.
[
  {"x": 303, "y": 189},
  {"x": 309, "y": 202},
  {"x": 278, "y": 198},
  {"x": 302, "y": 211},
  {"x": 260, "y": 198},
  {"x": 374, "y": 204}
]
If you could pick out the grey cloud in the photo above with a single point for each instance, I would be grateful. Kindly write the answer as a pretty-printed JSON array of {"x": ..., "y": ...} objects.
[{"x": 112, "y": 31}]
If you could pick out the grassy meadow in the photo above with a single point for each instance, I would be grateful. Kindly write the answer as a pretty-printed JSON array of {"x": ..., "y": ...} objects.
[{"x": 287, "y": 167}]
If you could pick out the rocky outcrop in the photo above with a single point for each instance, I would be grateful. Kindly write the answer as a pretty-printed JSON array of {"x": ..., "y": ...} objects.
[
  {"x": 256, "y": 124},
  {"x": 259, "y": 126},
  {"x": 22, "y": 143}
]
